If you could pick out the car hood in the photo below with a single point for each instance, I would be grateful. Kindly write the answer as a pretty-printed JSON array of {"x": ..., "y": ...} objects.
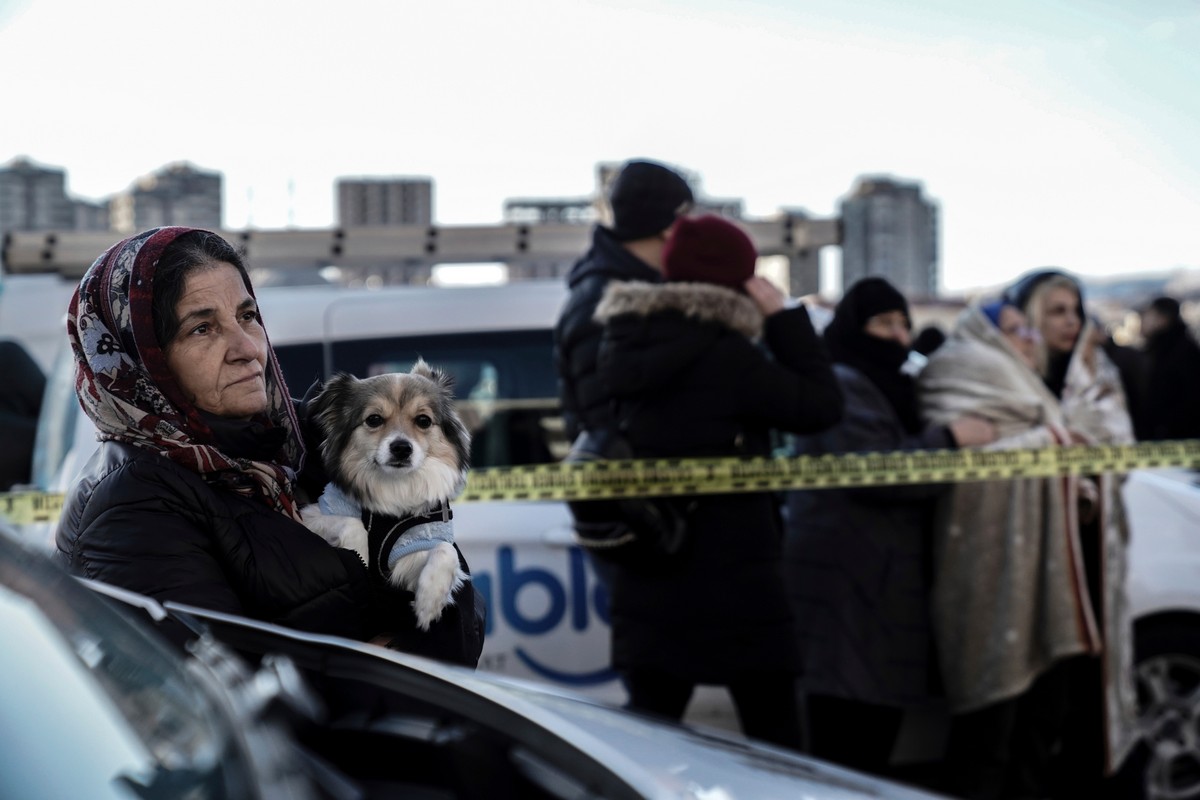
[{"x": 649, "y": 758}]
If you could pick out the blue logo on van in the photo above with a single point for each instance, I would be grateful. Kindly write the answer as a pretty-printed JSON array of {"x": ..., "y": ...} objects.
[
  {"x": 570, "y": 603},
  {"x": 569, "y": 678}
]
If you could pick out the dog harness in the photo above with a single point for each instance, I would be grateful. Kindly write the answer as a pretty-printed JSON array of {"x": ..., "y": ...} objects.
[{"x": 400, "y": 535}]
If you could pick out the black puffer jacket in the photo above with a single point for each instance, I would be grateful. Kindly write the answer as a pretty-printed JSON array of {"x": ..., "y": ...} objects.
[
  {"x": 858, "y": 562},
  {"x": 1173, "y": 402},
  {"x": 136, "y": 520},
  {"x": 577, "y": 336},
  {"x": 689, "y": 381},
  {"x": 20, "y": 404}
]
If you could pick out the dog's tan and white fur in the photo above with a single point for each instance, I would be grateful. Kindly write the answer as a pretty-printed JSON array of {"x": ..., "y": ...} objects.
[{"x": 394, "y": 446}]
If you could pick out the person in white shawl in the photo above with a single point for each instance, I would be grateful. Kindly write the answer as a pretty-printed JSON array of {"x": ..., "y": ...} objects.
[{"x": 1018, "y": 631}]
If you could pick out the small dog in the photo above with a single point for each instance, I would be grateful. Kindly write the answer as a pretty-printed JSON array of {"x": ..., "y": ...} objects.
[{"x": 396, "y": 453}]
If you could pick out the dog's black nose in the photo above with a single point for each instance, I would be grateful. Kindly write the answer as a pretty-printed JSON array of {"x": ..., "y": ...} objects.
[{"x": 401, "y": 450}]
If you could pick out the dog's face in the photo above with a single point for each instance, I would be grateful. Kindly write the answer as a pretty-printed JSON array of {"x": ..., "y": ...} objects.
[{"x": 394, "y": 442}]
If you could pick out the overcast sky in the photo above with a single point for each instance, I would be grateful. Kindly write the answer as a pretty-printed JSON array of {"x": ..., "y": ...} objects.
[{"x": 1048, "y": 132}]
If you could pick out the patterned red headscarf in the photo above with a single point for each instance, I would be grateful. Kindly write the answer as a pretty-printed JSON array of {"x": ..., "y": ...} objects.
[{"x": 125, "y": 387}]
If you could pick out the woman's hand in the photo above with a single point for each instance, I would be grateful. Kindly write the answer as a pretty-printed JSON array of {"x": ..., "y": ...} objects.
[
  {"x": 769, "y": 298},
  {"x": 1075, "y": 437},
  {"x": 970, "y": 431}
]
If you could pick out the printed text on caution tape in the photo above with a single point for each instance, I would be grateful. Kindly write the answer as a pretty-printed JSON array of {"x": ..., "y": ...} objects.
[{"x": 663, "y": 477}]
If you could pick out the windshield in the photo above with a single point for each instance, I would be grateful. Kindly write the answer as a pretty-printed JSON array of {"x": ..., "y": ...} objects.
[
  {"x": 95, "y": 706},
  {"x": 504, "y": 381}
]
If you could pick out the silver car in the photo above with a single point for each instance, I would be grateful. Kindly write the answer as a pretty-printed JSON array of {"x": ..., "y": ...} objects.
[{"x": 112, "y": 695}]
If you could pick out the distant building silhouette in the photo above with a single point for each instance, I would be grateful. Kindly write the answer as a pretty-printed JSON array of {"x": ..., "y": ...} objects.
[
  {"x": 178, "y": 194},
  {"x": 373, "y": 202},
  {"x": 890, "y": 229},
  {"x": 91, "y": 216},
  {"x": 34, "y": 198}
]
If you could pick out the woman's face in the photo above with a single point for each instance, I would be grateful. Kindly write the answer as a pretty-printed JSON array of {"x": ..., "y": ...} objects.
[
  {"x": 1060, "y": 319},
  {"x": 890, "y": 325},
  {"x": 219, "y": 356},
  {"x": 1015, "y": 327}
]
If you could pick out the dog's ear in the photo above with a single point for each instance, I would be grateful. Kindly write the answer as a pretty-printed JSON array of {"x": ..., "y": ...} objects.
[
  {"x": 443, "y": 379},
  {"x": 328, "y": 406},
  {"x": 422, "y": 368}
]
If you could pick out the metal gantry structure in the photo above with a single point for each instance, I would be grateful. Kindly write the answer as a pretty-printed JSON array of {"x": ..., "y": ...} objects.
[{"x": 69, "y": 253}]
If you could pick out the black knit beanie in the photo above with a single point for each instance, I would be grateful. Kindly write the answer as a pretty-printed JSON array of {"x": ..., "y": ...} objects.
[{"x": 645, "y": 198}]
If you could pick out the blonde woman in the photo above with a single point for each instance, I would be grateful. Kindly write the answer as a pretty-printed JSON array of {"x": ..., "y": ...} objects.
[{"x": 1028, "y": 607}]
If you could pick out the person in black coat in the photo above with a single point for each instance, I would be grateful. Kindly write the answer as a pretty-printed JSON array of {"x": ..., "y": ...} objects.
[
  {"x": 858, "y": 560},
  {"x": 190, "y": 497},
  {"x": 20, "y": 405},
  {"x": 646, "y": 199},
  {"x": 686, "y": 377},
  {"x": 1173, "y": 387}
]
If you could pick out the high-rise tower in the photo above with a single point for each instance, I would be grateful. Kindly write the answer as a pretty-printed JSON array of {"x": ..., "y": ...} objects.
[{"x": 890, "y": 229}]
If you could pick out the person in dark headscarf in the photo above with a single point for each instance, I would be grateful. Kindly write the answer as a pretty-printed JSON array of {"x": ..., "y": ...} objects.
[
  {"x": 191, "y": 495},
  {"x": 857, "y": 559}
]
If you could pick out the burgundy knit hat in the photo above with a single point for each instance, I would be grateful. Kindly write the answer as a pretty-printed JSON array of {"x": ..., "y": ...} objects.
[{"x": 709, "y": 249}]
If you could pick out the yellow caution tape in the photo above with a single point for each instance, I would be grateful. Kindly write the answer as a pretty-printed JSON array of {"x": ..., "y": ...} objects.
[
  {"x": 25, "y": 508},
  {"x": 660, "y": 477},
  {"x": 674, "y": 476}
]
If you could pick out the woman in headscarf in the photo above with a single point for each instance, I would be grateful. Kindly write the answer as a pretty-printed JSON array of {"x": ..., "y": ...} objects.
[
  {"x": 191, "y": 496},
  {"x": 1011, "y": 605},
  {"x": 1073, "y": 658},
  {"x": 686, "y": 377},
  {"x": 1078, "y": 372},
  {"x": 857, "y": 558}
]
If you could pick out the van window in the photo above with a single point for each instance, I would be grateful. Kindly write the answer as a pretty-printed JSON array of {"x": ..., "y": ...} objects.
[
  {"x": 504, "y": 381},
  {"x": 56, "y": 423}
]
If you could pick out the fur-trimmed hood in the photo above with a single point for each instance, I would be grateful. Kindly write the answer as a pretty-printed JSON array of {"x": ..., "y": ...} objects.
[
  {"x": 654, "y": 333},
  {"x": 703, "y": 302}
]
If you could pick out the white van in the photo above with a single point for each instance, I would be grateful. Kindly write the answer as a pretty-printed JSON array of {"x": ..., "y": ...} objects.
[{"x": 548, "y": 614}]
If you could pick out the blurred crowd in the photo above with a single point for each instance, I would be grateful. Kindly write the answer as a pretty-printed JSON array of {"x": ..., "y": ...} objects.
[{"x": 832, "y": 613}]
